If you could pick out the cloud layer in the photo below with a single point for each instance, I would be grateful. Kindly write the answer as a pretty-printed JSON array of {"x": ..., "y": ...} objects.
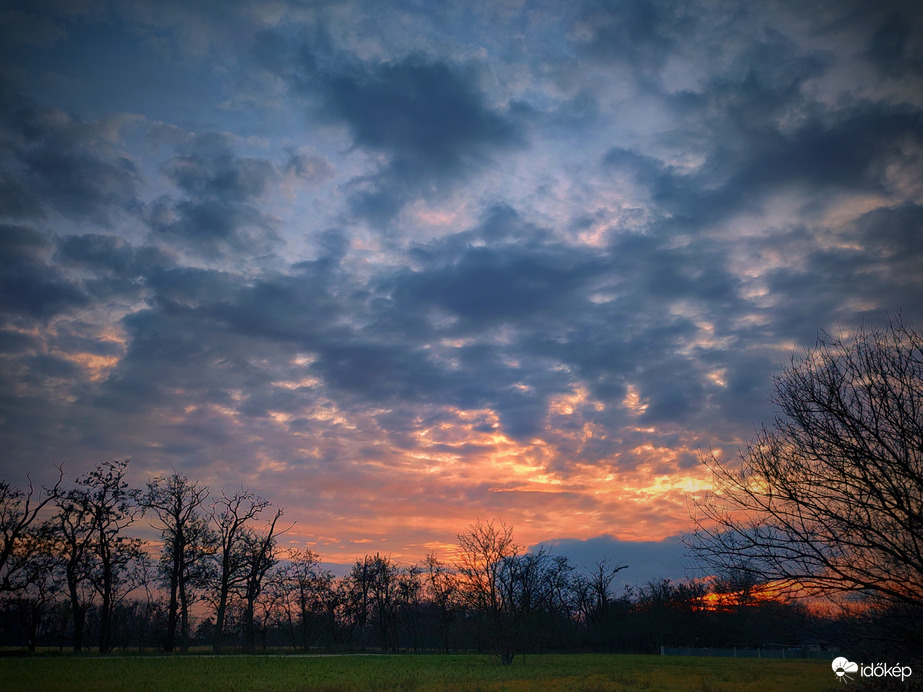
[{"x": 399, "y": 268}]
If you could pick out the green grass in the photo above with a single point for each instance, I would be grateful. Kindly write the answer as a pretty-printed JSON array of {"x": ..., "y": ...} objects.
[{"x": 411, "y": 673}]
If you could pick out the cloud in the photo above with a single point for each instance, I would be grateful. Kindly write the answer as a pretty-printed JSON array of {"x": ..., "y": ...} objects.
[
  {"x": 638, "y": 33},
  {"x": 426, "y": 116},
  {"x": 489, "y": 285},
  {"x": 895, "y": 47},
  {"x": 117, "y": 268},
  {"x": 55, "y": 162},
  {"x": 17, "y": 201},
  {"x": 218, "y": 213},
  {"x": 516, "y": 261},
  {"x": 21, "y": 28},
  {"x": 645, "y": 560},
  {"x": 308, "y": 166},
  {"x": 30, "y": 287}
]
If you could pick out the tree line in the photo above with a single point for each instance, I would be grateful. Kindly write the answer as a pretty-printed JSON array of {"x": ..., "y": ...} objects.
[{"x": 72, "y": 575}]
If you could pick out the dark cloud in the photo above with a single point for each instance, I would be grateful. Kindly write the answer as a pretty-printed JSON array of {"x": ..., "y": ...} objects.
[
  {"x": 19, "y": 243},
  {"x": 72, "y": 167},
  {"x": 43, "y": 367},
  {"x": 308, "y": 166},
  {"x": 189, "y": 353},
  {"x": 851, "y": 152},
  {"x": 848, "y": 150},
  {"x": 23, "y": 26},
  {"x": 29, "y": 286},
  {"x": 216, "y": 172},
  {"x": 424, "y": 111},
  {"x": 895, "y": 47},
  {"x": 14, "y": 343},
  {"x": 116, "y": 269},
  {"x": 219, "y": 213},
  {"x": 17, "y": 201},
  {"x": 378, "y": 372},
  {"x": 638, "y": 33},
  {"x": 893, "y": 233},
  {"x": 212, "y": 227},
  {"x": 111, "y": 253},
  {"x": 194, "y": 287},
  {"x": 428, "y": 118},
  {"x": 645, "y": 560},
  {"x": 485, "y": 286},
  {"x": 624, "y": 217}
]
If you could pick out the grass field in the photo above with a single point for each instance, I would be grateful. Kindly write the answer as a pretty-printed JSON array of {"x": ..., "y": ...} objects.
[{"x": 412, "y": 673}]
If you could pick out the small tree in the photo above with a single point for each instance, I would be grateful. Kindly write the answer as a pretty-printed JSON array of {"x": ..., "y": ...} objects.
[
  {"x": 410, "y": 604},
  {"x": 485, "y": 570},
  {"x": 110, "y": 506},
  {"x": 38, "y": 574},
  {"x": 176, "y": 501},
  {"x": 829, "y": 500},
  {"x": 260, "y": 555},
  {"x": 18, "y": 510},
  {"x": 74, "y": 533},
  {"x": 300, "y": 578},
  {"x": 359, "y": 598},
  {"x": 241, "y": 555},
  {"x": 442, "y": 587},
  {"x": 595, "y": 602}
]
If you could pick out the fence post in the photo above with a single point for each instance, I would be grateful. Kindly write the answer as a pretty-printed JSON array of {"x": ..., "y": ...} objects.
[{"x": 661, "y": 650}]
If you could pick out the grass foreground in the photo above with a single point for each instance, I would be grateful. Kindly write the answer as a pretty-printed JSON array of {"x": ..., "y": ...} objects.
[{"x": 414, "y": 673}]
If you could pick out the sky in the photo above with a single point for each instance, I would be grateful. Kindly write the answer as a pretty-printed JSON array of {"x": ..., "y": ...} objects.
[{"x": 400, "y": 266}]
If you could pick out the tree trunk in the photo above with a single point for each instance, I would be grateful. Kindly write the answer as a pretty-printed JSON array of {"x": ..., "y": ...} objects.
[
  {"x": 105, "y": 616},
  {"x": 169, "y": 645},
  {"x": 35, "y": 614},
  {"x": 184, "y": 616},
  {"x": 249, "y": 631},
  {"x": 78, "y": 614},
  {"x": 219, "y": 621}
]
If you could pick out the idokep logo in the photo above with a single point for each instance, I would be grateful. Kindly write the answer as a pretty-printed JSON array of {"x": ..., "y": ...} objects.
[{"x": 842, "y": 667}]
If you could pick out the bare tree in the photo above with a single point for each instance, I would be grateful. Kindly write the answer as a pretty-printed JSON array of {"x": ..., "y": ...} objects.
[
  {"x": 230, "y": 515},
  {"x": 301, "y": 575},
  {"x": 410, "y": 604},
  {"x": 195, "y": 583},
  {"x": 384, "y": 578},
  {"x": 830, "y": 499},
  {"x": 259, "y": 550},
  {"x": 148, "y": 611},
  {"x": 442, "y": 587},
  {"x": 593, "y": 592},
  {"x": 38, "y": 577},
  {"x": 110, "y": 506},
  {"x": 358, "y": 586},
  {"x": 176, "y": 502},
  {"x": 18, "y": 510},
  {"x": 484, "y": 567},
  {"x": 74, "y": 528}
]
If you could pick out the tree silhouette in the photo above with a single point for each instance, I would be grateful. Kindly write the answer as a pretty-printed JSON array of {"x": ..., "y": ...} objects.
[
  {"x": 18, "y": 510},
  {"x": 830, "y": 499},
  {"x": 259, "y": 551},
  {"x": 241, "y": 555},
  {"x": 485, "y": 568},
  {"x": 176, "y": 501},
  {"x": 110, "y": 506}
]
